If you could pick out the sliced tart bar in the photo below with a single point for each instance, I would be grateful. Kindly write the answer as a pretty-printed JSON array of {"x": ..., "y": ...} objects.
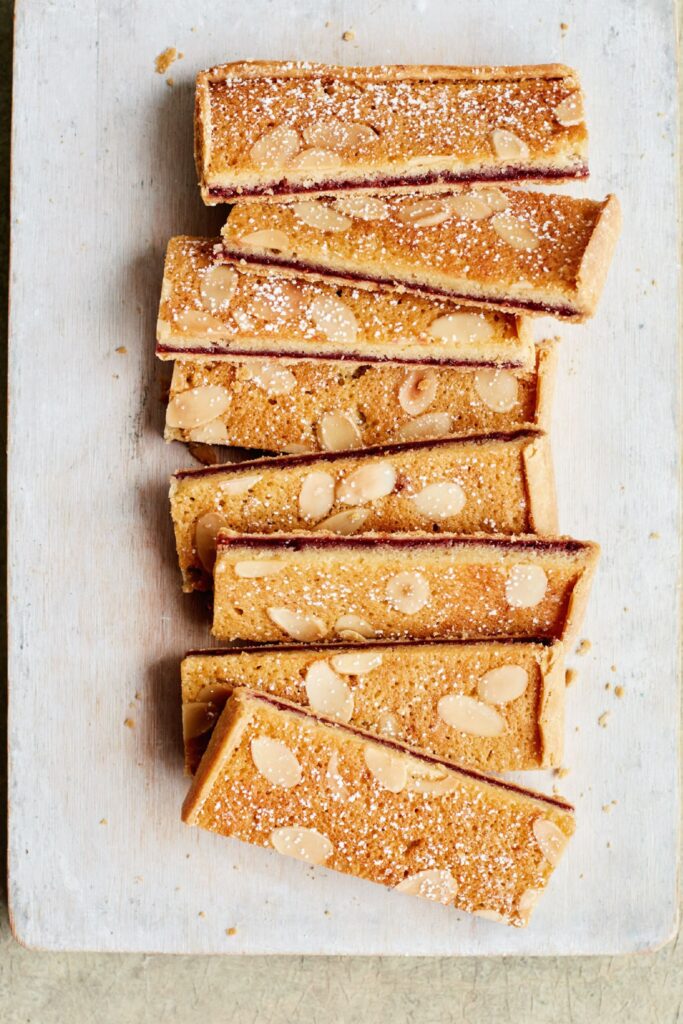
[
  {"x": 498, "y": 248},
  {"x": 316, "y": 128},
  {"x": 282, "y": 587},
  {"x": 496, "y": 483},
  {"x": 302, "y": 406},
  {"x": 278, "y": 776},
  {"x": 497, "y": 706},
  {"x": 209, "y": 311}
]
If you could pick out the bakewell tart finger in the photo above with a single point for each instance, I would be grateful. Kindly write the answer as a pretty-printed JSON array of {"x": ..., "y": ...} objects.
[
  {"x": 496, "y": 706},
  {"x": 327, "y": 794},
  {"x": 320, "y": 129},
  {"x": 301, "y": 406},
  {"x": 209, "y": 311},
  {"x": 514, "y": 251},
  {"x": 496, "y": 483},
  {"x": 276, "y": 588}
]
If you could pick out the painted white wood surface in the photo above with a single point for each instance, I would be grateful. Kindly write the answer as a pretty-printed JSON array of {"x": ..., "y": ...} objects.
[{"x": 102, "y": 177}]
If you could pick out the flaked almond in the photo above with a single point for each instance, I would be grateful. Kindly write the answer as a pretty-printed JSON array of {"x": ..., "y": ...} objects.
[
  {"x": 333, "y": 779},
  {"x": 508, "y": 146},
  {"x": 315, "y": 160},
  {"x": 360, "y": 136},
  {"x": 305, "y": 844},
  {"x": 275, "y": 148},
  {"x": 430, "y": 780},
  {"x": 355, "y": 624},
  {"x": 318, "y": 215},
  {"x": 335, "y": 319},
  {"x": 525, "y": 586},
  {"x": 526, "y": 903},
  {"x": 218, "y": 287},
  {"x": 425, "y": 213},
  {"x": 488, "y": 915},
  {"x": 205, "y": 533},
  {"x": 276, "y": 301},
  {"x": 198, "y": 718},
  {"x": 408, "y": 592},
  {"x": 266, "y": 238},
  {"x": 362, "y": 207},
  {"x": 330, "y": 134},
  {"x": 389, "y": 769},
  {"x": 367, "y": 483},
  {"x": 240, "y": 484},
  {"x": 469, "y": 715},
  {"x": 418, "y": 391},
  {"x": 498, "y": 389},
  {"x": 297, "y": 625},
  {"x": 243, "y": 320},
  {"x": 214, "y": 432},
  {"x": 570, "y": 111},
  {"x": 316, "y": 496},
  {"x": 276, "y": 762},
  {"x": 345, "y": 523},
  {"x": 328, "y": 693},
  {"x": 388, "y": 724},
  {"x": 337, "y": 431},
  {"x": 551, "y": 840},
  {"x": 470, "y": 206},
  {"x": 429, "y": 424},
  {"x": 513, "y": 231},
  {"x": 439, "y": 500},
  {"x": 462, "y": 328},
  {"x": 256, "y": 568},
  {"x": 433, "y": 884},
  {"x": 501, "y": 685},
  {"x": 195, "y": 323},
  {"x": 197, "y": 406},
  {"x": 356, "y": 663},
  {"x": 295, "y": 449},
  {"x": 273, "y": 378}
]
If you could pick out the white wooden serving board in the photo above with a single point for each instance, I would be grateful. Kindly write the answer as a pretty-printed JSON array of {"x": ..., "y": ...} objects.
[{"x": 103, "y": 176}]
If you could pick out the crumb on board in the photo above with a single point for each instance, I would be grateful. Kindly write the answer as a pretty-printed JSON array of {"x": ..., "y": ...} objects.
[
  {"x": 619, "y": 691},
  {"x": 103, "y": 821},
  {"x": 564, "y": 27},
  {"x": 607, "y": 808},
  {"x": 613, "y": 668},
  {"x": 327, "y": 913},
  {"x": 654, "y": 535},
  {"x": 603, "y": 719},
  {"x": 584, "y": 647},
  {"x": 562, "y": 772},
  {"x": 129, "y": 723},
  {"x": 570, "y": 676},
  {"x": 163, "y": 60},
  {"x": 170, "y": 81},
  {"x": 608, "y": 686},
  {"x": 349, "y": 35},
  {"x": 231, "y": 931},
  {"x": 122, "y": 350},
  {"x": 201, "y": 914}
]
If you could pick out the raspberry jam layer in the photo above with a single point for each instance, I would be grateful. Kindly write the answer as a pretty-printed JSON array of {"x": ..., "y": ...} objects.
[{"x": 278, "y": 541}]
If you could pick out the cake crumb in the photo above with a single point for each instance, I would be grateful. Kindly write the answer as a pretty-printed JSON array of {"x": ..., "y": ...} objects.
[
  {"x": 608, "y": 686},
  {"x": 170, "y": 81},
  {"x": 613, "y": 668},
  {"x": 129, "y": 723},
  {"x": 103, "y": 821},
  {"x": 654, "y": 535},
  {"x": 122, "y": 350},
  {"x": 602, "y": 720},
  {"x": 327, "y": 913},
  {"x": 570, "y": 676},
  {"x": 201, "y": 914},
  {"x": 349, "y": 35},
  {"x": 619, "y": 691},
  {"x": 564, "y": 27},
  {"x": 163, "y": 60},
  {"x": 231, "y": 931},
  {"x": 607, "y": 808},
  {"x": 562, "y": 772},
  {"x": 584, "y": 647}
]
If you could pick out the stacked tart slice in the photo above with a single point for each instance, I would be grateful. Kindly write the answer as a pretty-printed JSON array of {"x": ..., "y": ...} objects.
[{"x": 391, "y": 573}]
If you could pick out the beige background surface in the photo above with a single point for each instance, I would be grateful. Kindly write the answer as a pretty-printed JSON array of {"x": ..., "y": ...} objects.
[{"x": 45, "y": 988}]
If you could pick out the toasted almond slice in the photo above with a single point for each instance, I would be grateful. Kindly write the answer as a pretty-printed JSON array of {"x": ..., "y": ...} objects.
[
  {"x": 273, "y": 378},
  {"x": 275, "y": 148},
  {"x": 488, "y": 915},
  {"x": 367, "y": 483},
  {"x": 334, "y": 780},
  {"x": 330, "y": 135},
  {"x": 508, "y": 146},
  {"x": 305, "y": 844},
  {"x": 198, "y": 718},
  {"x": 418, "y": 391},
  {"x": 205, "y": 533},
  {"x": 214, "y": 432},
  {"x": 215, "y": 693},
  {"x": 430, "y": 424},
  {"x": 425, "y": 213},
  {"x": 217, "y": 288},
  {"x": 355, "y": 624},
  {"x": 356, "y": 663},
  {"x": 337, "y": 431},
  {"x": 463, "y": 328},
  {"x": 433, "y": 787},
  {"x": 256, "y": 568},
  {"x": 315, "y": 160},
  {"x": 266, "y": 238},
  {"x": 362, "y": 207},
  {"x": 295, "y": 449},
  {"x": 495, "y": 198},
  {"x": 360, "y": 136},
  {"x": 390, "y": 770},
  {"x": 526, "y": 903},
  {"x": 318, "y": 215},
  {"x": 276, "y": 301},
  {"x": 470, "y": 205},
  {"x": 345, "y": 523},
  {"x": 276, "y": 762},
  {"x": 525, "y": 586},
  {"x": 197, "y": 406},
  {"x": 243, "y": 321},
  {"x": 316, "y": 496},
  {"x": 433, "y": 884},
  {"x": 300, "y": 627},
  {"x": 514, "y": 231},
  {"x": 439, "y": 500},
  {"x": 469, "y": 715},
  {"x": 570, "y": 111},
  {"x": 335, "y": 319},
  {"x": 408, "y": 592},
  {"x": 328, "y": 693},
  {"x": 240, "y": 484},
  {"x": 498, "y": 389},
  {"x": 501, "y": 685},
  {"x": 551, "y": 840},
  {"x": 388, "y": 724},
  {"x": 195, "y": 323}
]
